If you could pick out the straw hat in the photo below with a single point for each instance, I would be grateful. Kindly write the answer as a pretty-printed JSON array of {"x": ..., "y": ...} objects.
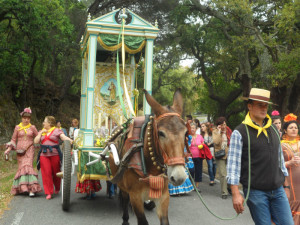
[{"x": 257, "y": 94}]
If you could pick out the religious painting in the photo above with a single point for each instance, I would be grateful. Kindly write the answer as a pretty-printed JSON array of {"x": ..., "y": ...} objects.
[
  {"x": 106, "y": 98},
  {"x": 109, "y": 91}
]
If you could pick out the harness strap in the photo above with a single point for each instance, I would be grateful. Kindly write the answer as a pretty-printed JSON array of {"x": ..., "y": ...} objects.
[
  {"x": 124, "y": 162},
  {"x": 165, "y": 115},
  {"x": 175, "y": 161}
]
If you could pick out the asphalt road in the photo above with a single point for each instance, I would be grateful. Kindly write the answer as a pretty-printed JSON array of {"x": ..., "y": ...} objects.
[{"x": 183, "y": 210}]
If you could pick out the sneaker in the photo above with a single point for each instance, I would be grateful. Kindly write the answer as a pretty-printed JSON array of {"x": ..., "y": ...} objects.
[
  {"x": 48, "y": 197},
  {"x": 93, "y": 195},
  {"x": 224, "y": 196},
  {"x": 88, "y": 197},
  {"x": 31, "y": 194}
]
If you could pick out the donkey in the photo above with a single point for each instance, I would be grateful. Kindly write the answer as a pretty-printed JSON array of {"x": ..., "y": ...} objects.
[{"x": 164, "y": 155}]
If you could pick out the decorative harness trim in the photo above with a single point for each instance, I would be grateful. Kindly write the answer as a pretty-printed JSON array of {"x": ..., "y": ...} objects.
[{"x": 167, "y": 114}]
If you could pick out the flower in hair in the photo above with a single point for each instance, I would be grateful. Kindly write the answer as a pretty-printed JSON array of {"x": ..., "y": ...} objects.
[
  {"x": 27, "y": 110},
  {"x": 275, "y": 113},
  {"x": 290, "y": 117}
]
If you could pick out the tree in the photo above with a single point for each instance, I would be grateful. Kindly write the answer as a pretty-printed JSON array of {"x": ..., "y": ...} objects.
[
  {"x": 37, "y": 53},
  {"x": 264, "y": 34},
  {"x": 238, "y": 44}
]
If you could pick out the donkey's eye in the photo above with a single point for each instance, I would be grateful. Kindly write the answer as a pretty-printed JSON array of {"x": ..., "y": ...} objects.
[{"x": 161, "y": 134}]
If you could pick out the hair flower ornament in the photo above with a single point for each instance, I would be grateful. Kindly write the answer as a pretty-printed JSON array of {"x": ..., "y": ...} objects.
[
  {"x": 275, "y": 113},
  {"x": 26, "y": 110},
  {"x": 290, "y": 117}
]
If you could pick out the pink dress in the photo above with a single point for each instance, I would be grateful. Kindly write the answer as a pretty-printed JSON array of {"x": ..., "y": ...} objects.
[{"x": 25, "y": 179}]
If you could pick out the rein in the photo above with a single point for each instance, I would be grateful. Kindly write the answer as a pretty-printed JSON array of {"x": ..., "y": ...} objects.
[{"x": 160, "y": 155}]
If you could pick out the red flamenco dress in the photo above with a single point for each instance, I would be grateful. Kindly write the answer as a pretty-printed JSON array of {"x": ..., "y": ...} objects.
[{"x": 88, "y": 186}]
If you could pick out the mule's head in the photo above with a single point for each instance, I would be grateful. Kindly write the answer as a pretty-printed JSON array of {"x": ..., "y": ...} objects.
[{"x": 171, "y": 131}]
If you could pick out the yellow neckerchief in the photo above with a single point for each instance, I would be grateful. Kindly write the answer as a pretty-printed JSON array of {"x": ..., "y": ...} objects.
[
  {"x": 49, "y": 131},
  {"x": 250, "y": 123},
  {"x": 24, "y": 128}
]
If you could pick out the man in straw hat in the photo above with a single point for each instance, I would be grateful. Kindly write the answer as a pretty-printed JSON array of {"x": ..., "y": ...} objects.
[{"x": 267, "y": 199}]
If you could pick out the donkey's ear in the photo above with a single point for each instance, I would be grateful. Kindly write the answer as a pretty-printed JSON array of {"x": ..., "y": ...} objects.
[
  {"x": 178, "y": 101},
  {"x": 156, "y": 107}
]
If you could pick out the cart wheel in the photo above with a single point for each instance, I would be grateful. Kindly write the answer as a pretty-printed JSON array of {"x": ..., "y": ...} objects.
[{"x": 66, "y": 181}]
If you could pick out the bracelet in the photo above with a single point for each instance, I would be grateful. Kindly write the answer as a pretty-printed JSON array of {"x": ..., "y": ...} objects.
[{"x": 288, "y": 187}]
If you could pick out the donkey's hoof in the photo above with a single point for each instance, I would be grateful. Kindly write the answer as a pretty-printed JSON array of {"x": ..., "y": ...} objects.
[
  {"x": 149, "y": 205},
  {"x": 125, "y": 223}
]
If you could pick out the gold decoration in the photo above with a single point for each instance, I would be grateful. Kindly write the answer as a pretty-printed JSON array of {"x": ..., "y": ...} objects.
[
  {"x": 154, "y": 163},
  {"x": 150, "y": 149},
  {"x": 158, "y": 167},
  {"x": 151, "y": 153},
  {"x": 152, "y": 158}
]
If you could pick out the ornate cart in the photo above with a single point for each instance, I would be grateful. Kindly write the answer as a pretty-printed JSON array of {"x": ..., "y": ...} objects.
[{"x": 107, "y": 89}]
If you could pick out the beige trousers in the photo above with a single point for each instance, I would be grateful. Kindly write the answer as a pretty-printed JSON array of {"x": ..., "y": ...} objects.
[{"x": 221, "y": 168}]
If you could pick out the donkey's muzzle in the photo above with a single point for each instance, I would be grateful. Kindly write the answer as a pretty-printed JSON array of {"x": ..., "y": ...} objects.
[{"x": 177, "y": 175}]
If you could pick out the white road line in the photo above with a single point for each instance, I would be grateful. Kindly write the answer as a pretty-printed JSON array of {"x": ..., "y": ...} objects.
[{"x": 18, "y": 218}]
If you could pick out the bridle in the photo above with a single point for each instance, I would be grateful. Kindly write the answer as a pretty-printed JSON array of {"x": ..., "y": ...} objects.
[{"x": 158, "y": 155}]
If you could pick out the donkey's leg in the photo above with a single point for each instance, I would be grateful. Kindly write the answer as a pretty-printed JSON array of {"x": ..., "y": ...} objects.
[
  {"x": 125, "y": 203},
  {"x": 162, "y": 206},
  {"x": 138, "y": 207}
]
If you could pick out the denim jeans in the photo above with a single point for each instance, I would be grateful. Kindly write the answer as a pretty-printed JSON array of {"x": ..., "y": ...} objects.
[
  {"x": 214, "y": 167},
  {"x": 211, "y": 171},
  {"x": 269, "y": 205},
  {"x": 197, "y": 175}
]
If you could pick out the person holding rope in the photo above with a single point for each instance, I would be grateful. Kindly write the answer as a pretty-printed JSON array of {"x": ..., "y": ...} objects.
[
  {"x": 50, "y": 156},
  {"x": 267, "y": 200}
]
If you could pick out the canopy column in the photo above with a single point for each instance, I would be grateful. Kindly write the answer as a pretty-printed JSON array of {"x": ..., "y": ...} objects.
[
  {"x": 88, "y": 134},
  {"x": 132, "y": 62},
  {"x": 83, "y": 94},
  {"x": 148, "y": 73}
]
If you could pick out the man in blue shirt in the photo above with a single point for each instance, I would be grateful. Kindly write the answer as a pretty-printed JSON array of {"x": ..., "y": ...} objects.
[{"x": 267, "y": 199}]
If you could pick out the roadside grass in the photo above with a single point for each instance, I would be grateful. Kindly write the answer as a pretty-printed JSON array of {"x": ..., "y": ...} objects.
[{"x": 8, "y": 170}]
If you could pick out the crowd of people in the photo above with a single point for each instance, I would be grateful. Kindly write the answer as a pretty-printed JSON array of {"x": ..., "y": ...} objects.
[
  {"x": 260, "y": 154},
  {"x": 209, "y": 142}
]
